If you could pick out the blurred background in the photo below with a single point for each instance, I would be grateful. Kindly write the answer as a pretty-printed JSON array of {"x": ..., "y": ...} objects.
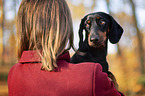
[{"x": 126, "y": 59}]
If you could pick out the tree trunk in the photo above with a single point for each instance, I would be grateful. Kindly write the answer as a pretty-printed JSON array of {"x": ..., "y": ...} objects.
[
  {"x": 139, "y": 39},
  {"x": 1, "y": 32},
  {"x": 119, "y": 52},
  {"x": 93, "y": 6}
]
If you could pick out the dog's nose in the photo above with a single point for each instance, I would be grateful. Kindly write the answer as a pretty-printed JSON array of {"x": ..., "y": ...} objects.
[{"x": 94, "y": 39}]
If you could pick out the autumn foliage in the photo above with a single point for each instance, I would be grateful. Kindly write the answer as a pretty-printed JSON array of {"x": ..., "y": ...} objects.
[{"x": 128, "y": 60}]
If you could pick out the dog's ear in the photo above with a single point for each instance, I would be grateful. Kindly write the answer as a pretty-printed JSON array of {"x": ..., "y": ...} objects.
[
  {"x": 82, "y": 27},
  {"x": 115, "y": 32}
]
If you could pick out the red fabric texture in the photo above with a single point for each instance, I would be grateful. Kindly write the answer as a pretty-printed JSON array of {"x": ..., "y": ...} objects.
[{"x": 85, "y": 79}]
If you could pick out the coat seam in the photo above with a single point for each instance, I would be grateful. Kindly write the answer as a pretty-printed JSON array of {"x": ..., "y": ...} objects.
[{"x": 94, "y": 83}]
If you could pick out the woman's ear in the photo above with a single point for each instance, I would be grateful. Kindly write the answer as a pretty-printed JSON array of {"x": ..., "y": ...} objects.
[
  {"x": 115, "y": 32},
  {"x": 82, "y": 27}
]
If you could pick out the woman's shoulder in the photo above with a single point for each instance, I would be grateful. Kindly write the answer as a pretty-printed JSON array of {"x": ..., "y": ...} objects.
[
  {"x": 90, "y": 66},
  {"x": 14, "y": 68},
  {"x": 13, "y": 72}
]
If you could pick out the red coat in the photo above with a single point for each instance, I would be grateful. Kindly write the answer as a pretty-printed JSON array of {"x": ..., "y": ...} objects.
[{"x": 85, "y": 79}]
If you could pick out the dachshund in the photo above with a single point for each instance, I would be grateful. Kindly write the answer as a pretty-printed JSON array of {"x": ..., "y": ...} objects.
[{"x": 99, "y": 27}]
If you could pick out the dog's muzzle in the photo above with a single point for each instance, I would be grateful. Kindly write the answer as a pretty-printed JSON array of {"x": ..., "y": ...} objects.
[{"x": 94, "y": 39}]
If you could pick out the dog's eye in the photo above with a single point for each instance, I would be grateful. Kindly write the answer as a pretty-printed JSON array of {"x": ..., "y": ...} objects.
[
  {"x": 87, "y": 25},
  {"x": 102, "y": 22}
]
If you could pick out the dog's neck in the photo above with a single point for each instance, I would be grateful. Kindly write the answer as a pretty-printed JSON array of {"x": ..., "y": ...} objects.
[{"x": 96, "y": 52}]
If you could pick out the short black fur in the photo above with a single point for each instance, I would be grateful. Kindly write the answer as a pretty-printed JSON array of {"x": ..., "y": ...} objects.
[{"x": 88, "y": 53}]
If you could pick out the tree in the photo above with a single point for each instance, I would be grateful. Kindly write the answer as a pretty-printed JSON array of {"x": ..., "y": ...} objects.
[
  {"x": 139, "y": 39},
  {"x": 1, "y": 31}
]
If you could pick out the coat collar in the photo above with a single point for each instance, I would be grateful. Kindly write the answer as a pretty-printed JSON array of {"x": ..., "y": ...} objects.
[{"x": 32, "y": 56}]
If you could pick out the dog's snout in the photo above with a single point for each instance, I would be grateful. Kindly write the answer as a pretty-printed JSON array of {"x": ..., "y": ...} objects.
[{"x": 94, "y": 39}]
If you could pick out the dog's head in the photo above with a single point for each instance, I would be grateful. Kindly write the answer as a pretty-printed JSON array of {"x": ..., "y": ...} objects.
[{"x": 99, "y": 27}]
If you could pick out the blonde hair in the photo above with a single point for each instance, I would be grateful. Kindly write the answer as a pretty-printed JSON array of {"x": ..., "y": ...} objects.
[{"x": 44, "y": 25}]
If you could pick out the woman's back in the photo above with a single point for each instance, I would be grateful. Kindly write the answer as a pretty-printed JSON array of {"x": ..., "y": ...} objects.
[{"x": 68, "y": 80}]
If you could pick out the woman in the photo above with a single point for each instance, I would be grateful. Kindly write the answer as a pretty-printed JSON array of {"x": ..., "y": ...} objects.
[{"x": 44, "y": 29}]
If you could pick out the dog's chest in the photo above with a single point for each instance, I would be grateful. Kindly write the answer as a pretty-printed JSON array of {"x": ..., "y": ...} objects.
[{"x": 94, "y": 57}]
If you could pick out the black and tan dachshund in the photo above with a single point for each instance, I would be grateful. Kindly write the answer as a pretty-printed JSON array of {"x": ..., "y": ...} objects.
[{"x": 99, "y": 27}]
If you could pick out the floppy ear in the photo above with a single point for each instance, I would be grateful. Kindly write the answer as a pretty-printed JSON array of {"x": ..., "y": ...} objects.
[
  {"x": 81, "y": 31},
  {"x": 115, "y": 32}
]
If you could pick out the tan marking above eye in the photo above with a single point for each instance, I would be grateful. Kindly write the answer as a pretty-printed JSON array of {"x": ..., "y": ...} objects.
[
  {"x": 88, "y": 21},
  {"x": 98, "y": 17}
]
